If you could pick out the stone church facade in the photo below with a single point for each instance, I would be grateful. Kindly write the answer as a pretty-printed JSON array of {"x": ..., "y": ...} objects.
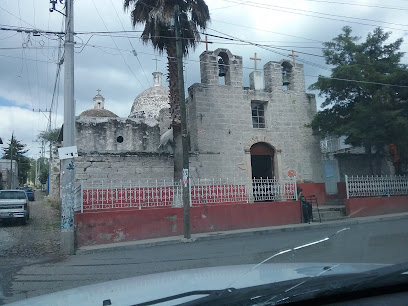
[
  {"x": 234, "y": 132},
  {"x": 252, "y": 132}
]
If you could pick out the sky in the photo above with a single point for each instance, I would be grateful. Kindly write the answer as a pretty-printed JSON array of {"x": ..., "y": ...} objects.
[{"x": 121, "y": 66}]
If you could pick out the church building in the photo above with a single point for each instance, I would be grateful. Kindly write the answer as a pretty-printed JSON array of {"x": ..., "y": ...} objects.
[{"x": 234, "y": 131}]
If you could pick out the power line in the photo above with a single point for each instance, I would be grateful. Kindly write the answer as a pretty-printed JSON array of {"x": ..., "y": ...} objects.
[
  {"x": 36, "y": 64},
  {"x": 269, "y": 49},
  {"x": 19, "y": 18},
  {"x": 358, "y": 81},
  {"x": 304, "y": 13},
  {"x": 134, "y": 51},
  {"x": 27, "y": 59},
  {"x": 124, "y": 60},
  {"x": 359, "y": 4},
  {"x": 263, "y": 30},
  {"x": 9, "y": 36}
]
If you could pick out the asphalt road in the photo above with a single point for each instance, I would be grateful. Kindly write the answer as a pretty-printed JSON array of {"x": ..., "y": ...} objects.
[{"x": 377, "y": 242}]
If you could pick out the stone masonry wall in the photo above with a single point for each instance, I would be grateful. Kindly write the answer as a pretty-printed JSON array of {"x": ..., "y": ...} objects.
[
  {"x": 55, "y": 176},
  {"x": 101, "y": 135},
  {"x": 123, "y": 167},
  {"x": 221, "y": 127}
]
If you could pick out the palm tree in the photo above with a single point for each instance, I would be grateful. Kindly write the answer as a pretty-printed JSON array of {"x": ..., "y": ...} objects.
[{"x": 157, "y": 17}]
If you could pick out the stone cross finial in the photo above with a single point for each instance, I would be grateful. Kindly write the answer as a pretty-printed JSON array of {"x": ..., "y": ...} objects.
[
  {"x": 99, "y": 91},
  {"x": 155, "y": 59},
  {"x": 255, "y": 59},
  {"x": 293, "y": 55}
]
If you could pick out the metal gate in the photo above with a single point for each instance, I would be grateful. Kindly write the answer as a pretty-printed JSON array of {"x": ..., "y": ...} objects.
[{"x": 331, "y": 176}]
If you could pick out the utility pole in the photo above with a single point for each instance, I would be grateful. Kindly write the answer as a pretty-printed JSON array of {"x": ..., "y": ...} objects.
[
  {"x": 184, "y": 131},
  {"x": 67, "y": 165}
]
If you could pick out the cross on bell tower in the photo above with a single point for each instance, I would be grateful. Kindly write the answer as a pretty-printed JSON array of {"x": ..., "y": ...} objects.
[
  {"x": 255, "y": 59},
  {"x": 99, "y": 101},
  {"x": 293, "y": 56}
]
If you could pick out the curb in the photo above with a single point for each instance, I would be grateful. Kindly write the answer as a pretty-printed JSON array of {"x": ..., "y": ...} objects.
[{"x": 242, "y": 233}]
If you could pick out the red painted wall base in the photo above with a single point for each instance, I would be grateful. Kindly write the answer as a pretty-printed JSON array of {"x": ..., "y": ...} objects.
[
  {"x": 132, "y": 224},
  {"x": 316, "y": 189},
  {"x": 364, "y": 207}
]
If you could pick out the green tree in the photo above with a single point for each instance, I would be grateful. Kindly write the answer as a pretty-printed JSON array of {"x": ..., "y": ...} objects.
[
  {"x": 50, "y": 136},
  {"x": 157, "y": 17},
  {"x": 31, "y": 172},
  {"x": 365, "y": 110},
  {"x": 16, "y": 150},
  {"x": 43, "y": 177}
]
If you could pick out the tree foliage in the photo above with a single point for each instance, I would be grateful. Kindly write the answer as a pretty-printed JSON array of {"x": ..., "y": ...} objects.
[
  {"x": 50, "y": 136},
  {"x": 366, "y": 95},
  {"x": 16, "y": 150},
  {"x": 157, "y": 18}
]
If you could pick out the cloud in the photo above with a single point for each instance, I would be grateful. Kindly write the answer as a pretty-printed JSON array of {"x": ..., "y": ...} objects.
[{"x": 25, "y": 124}]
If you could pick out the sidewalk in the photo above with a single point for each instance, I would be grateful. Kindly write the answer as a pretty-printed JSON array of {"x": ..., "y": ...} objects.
[{"x": 238, "y": 233}]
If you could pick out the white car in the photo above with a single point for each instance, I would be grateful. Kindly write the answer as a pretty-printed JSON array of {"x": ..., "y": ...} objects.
[{"x": 14, "y": 205}]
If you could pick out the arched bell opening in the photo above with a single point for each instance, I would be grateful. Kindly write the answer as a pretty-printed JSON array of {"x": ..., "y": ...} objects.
[
  {"x": 287, "y": 76},
  {"x": 223, "y": 69}
]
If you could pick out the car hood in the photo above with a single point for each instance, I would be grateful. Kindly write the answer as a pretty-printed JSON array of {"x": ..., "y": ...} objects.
[{"x": 145, "y": 288}]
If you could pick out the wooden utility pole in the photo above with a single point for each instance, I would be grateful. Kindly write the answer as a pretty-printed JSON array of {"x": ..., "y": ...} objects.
[{"x": 184, "y": 132}]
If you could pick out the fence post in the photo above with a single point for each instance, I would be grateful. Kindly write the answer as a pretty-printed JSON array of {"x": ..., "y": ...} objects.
[
  {"x": 347, "y": 187},
  {"x": 296, "y": 194},
  {"x": 92, "y": 195},
  {"x": 82, "y": 197},
  {"x": 189, "y": 192}
]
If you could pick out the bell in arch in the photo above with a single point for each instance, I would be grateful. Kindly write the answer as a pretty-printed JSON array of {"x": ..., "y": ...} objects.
[
  {"x": 285, "y": 78},
  {"x": 222, "y": 71}
]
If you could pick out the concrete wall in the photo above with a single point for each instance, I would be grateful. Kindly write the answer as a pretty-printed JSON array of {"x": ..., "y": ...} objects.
[
  {"x": 5, "y": 167},
  {"x": 359, "y": 164},
  {"x": 221, "y": 129},
  {"x": 364, "y": 207},
  {"x": 134, "y": 224},
  {"x": 316, "y": 189}
]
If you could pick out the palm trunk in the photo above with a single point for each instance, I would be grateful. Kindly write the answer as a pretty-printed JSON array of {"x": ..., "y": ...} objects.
[{"x": 175, "y": 111}]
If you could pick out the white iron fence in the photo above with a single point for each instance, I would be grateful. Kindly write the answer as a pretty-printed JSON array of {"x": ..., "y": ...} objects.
[
  {"x": 273, "y": 189},
  {"x": 376, "y": 186},
  {"x": 97, "y": 195}
]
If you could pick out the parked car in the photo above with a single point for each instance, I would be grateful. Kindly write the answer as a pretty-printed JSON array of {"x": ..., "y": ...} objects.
[
  {"x": 14, "y": 205},
  {"x": 30, "y": 193}
]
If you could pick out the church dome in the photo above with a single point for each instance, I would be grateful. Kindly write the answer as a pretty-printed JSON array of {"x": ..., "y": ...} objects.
[
  {"x": 149, "y": 103},
  {"x": 98, "y": 113},
  {"x": 99, "y": 108}
]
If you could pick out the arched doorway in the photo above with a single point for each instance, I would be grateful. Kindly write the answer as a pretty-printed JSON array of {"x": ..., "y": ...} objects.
[{"x": 262, "y": 160}]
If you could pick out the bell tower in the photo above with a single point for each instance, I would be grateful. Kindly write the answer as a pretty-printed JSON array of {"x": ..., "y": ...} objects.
[
  {"x": 99, "y": 101},
  {"x": 220, "y": 67}
]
